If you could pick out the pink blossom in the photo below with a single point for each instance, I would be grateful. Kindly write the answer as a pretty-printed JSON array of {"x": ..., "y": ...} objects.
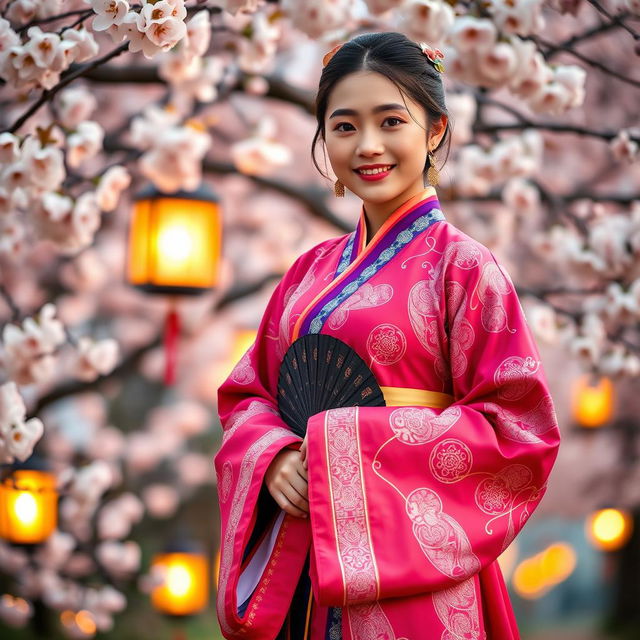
[
  {"x": 144, "y": 129},
  {"x": 108, "y": 13},
  {"x": 56, "y": 551},
  {"x": 115, "y": 180},
  {"x": 532, "y": 72},
  {"x": 118, "y": 516},
  {"x": 9, "y": 148},
  {"x": 523, "y": 17},
  {"x": 426, "y": 20},
  {"x": 22, "y": 11},
  {"x": 83, "y": 44},
  {"x": 12, "y": 559},
  {"x": 194, "y": 469},
  {"x": 496, "y": 65},
  {"x": 8, "y": 38},
  {"x": 470, "y": 34},
  {"x": 521, "y": 197},
  {"x": 141, "y": 452},
  {"x": 87, "y": 272},
  {"x": 572, "y": 78},
  {"x": 257, "y": 54},
  {"x": 623, "y": 148},
  {"x": 119, "y": 559},
  {"x": 45, "y": 165},
  {"x": 380, "y": 6},
  {"x": 46, "y": 49},
  {"x": 15, "y": 612},
  {"x": 317, "y": 17},
  {"x": 84, "y": 143},
  {"x": 198, "y": 36},
  {"x": 244, "y": 6},
  {"x": 75, "y": 105},
  {"x": 95, "y": 358},
  {"x": 161, "y": 500}
]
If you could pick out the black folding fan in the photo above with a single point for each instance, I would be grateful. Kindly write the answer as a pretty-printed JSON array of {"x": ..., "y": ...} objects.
[{"x": 320, "y": 372}]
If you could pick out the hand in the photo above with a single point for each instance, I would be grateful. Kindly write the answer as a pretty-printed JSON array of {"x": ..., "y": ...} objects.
[
  {"x": 286, "y": 480},
  {"x": 303, "y": 451}
]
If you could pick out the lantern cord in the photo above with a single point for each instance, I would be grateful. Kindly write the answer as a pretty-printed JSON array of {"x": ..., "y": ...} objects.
[{"x": 171, "y": 333}]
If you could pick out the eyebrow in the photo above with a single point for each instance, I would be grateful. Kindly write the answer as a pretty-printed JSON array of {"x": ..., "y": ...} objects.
[{"x": 382, "y": 107}]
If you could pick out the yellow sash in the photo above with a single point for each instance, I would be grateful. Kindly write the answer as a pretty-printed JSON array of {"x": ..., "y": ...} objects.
[{"x": 403, "y": 397}]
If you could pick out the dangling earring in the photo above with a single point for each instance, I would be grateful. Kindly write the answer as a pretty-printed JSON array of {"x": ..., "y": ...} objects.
[
  {"x": 338, "y": 189},
  {"x": 433, "y": 175}
]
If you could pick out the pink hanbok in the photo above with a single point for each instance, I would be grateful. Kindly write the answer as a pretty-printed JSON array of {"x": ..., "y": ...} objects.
[{"x": 411, "y": 503}]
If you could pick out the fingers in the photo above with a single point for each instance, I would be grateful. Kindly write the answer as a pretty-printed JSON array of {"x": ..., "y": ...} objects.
[{"x": 287, "y": 505}]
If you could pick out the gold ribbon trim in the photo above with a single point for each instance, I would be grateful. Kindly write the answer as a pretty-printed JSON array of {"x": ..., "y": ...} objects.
[{"x": 403, "y": 397}]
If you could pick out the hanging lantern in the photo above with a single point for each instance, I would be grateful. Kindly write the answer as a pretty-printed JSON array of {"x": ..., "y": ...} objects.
[
  {"x": 174, "y": 249},
  {"x": 28, "y": 505},
  {"x": 592, "y": 401},
  {"x": 609, "y": 529},
  {"x": 185, "y": 587}
]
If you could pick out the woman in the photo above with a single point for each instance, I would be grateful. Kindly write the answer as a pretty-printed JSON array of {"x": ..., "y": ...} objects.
[{"x": 387, "y": 521}]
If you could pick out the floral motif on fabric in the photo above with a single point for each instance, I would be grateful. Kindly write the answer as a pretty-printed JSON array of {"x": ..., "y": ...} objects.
[
  {"x": 225, "y": 481},
  {"x": 424, "y": 310},
  {"x": 345, "y": 258},
  {"x": 526, "y": 427},
  {"x": 386, "y": 344},
  {"x": 462, "y": 335},
  {"x": 457, "y": 609},
  {"x": 414, "y": 426},
  {"x": 369, "y": 622},
  {"x": 245, "y": 476},
  {"x": 243, "y": 373},
  {"x": 366, "y": 297},
  {"x": 359, "y": 572},
  {"x": 515, "y": 377},
  {"x": 441, "y": 538},
  {"x": 403, "y": 238},
  {"x": 293, "y": 294},
  {"x": 492, "y": 286},
  {"x": 450, "y": 461},
  {"x": 240, "y": 417}
]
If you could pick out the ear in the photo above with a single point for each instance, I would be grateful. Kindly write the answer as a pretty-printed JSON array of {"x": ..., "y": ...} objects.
[{"x": 437, "y": 130}]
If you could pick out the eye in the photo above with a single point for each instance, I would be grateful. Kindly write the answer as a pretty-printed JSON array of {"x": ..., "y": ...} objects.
[
  {"x": 343, "y": 124},
  {"x": 394, "y": 121}
]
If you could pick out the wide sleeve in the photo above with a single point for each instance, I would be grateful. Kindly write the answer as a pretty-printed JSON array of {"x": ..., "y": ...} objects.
[
  {"x": 261, "y": 550},
  {"x": 408, "y": 500}
]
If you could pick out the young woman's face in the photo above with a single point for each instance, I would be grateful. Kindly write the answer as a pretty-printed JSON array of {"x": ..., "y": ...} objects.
[{"x": 376, "y": 139}]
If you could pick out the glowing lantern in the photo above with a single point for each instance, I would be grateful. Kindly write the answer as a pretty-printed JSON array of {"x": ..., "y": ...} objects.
[
  {"x": 592, "y": 402},
  {"x": 609, "y": 529},
  {"x": 537, "y": 575},
  {"x": 174, "y": 249},
  {"x": 174, "y": 242},
  {"x": 185, "y": 588},
  {"x": 28, "y": 506}
]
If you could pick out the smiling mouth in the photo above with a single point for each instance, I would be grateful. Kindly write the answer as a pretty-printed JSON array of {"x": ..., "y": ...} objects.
[{"x": 377, "y": 170}]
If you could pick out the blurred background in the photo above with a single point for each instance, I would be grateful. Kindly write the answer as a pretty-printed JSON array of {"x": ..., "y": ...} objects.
[{"x": 156, "y": 182}]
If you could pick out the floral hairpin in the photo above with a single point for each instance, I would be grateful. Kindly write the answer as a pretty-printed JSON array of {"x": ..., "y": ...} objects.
[
  {"x": 435, "y": 55},
  {"x": 327, "y": 56}
]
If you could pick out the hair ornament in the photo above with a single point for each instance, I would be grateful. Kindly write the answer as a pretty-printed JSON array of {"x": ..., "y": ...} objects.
[
  {"x": 327, "y": 56},
  {"x": 435, "y": 55}
]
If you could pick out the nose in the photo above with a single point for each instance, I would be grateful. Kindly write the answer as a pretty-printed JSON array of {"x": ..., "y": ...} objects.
[{"x": 370, "y": 144}]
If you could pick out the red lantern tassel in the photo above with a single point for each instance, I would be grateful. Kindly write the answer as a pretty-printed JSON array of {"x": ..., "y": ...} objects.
[{"x": 171, "y": 334}]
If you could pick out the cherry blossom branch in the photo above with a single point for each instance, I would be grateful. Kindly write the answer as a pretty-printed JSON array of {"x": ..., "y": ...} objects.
[
  {"x": 586, "y": 35},
  {"x": 551, "y": 126},
  {"x": 61, "y": 16},
  {"x": 48, "y": 94},
  {"x": 614, "y": 19},
  {"x": 596, "y": 64},
  {"x": 130, "y": 362}
]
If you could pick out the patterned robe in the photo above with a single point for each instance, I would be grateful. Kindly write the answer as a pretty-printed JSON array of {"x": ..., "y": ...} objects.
[{"x": 410, "y": 503}]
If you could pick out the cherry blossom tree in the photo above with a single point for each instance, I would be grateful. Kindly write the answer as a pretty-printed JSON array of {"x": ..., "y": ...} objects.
[{"x": 99, "y": 97}]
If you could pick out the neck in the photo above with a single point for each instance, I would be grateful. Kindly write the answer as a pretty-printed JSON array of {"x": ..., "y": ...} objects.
[{"x": 376, "y": 214}]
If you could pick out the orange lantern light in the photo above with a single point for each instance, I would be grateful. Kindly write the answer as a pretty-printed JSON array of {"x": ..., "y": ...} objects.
[
  {"x": 185, "y": 588},
  {"x": 28, "y": 506},
  {"x": 174, "y": 249},
  {"x": 609, "y": 529},
  {"x": 593, "y": 401},
  {"x": 175, "y": 241}
]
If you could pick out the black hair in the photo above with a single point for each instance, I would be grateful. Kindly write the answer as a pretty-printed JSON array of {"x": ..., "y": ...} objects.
[{"x": 397, "y": 58}]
